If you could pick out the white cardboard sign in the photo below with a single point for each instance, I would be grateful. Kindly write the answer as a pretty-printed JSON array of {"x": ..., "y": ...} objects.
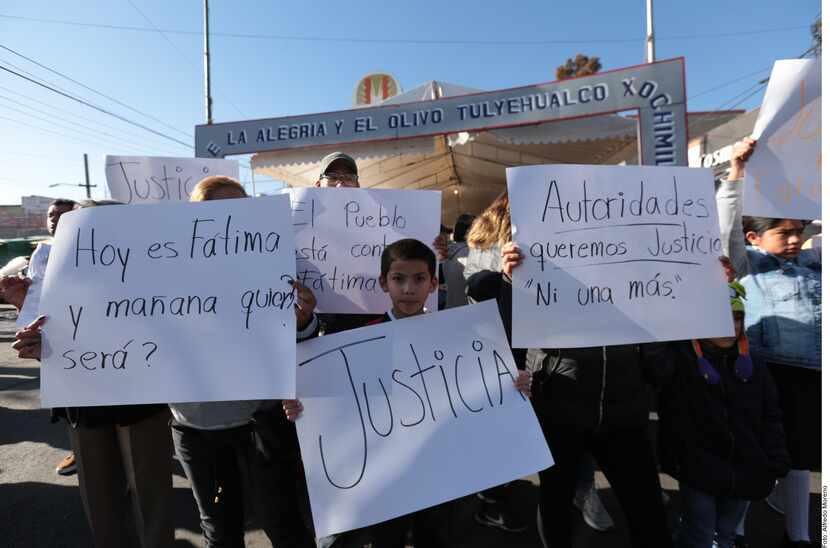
[
  {"x": 783, "y": 175},
  {"x": 153, "y": 179},
  {"x": 170, "y": 303},
  {"x": 411, "y": 413},
  {"x": 616, "y": 255},
  {"x": 341, "y": 234}
]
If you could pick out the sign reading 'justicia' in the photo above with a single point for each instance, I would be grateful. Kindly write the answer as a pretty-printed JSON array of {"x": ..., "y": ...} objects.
[{"x": 656, "y": 90}]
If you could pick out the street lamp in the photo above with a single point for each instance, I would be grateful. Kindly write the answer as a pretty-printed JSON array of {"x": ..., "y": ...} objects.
[{"x": 82, "y": 185}]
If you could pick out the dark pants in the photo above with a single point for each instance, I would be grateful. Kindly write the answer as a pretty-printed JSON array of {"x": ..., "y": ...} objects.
[
  {"x": 799, "y": 394},
  {"x": 232, "y": 478},
  {"x": 432, "y": 528},
  {"x": 627, "y": 459},
  {"x": 125, "y": 474}
]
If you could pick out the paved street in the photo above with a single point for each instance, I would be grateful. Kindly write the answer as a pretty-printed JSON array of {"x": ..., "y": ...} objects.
[{"x": 39, "y": 509}]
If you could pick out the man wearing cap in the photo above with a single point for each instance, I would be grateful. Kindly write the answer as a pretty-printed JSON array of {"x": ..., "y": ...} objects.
[{"x": 339, "y": 170}]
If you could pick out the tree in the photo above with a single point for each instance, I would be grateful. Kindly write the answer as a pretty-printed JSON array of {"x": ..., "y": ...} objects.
[
  {"x": 815, "y": 31},
  {"x": 581, "y": 65}
]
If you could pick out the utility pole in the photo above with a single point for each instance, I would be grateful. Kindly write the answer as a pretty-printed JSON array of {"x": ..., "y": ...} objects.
[
  {"x": 86, "y": 174},
  {"x": 650, "y": 57},
  {"x": 208, "y": 98}
]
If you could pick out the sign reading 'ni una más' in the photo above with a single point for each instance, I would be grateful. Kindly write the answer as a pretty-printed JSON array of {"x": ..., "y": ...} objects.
[
  {"x": 656, "y": 90},
  {"x": 613, "y": 255}
]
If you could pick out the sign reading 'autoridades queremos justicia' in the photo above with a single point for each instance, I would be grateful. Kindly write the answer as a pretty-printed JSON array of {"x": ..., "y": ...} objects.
[{"x": 656, "y": 90}]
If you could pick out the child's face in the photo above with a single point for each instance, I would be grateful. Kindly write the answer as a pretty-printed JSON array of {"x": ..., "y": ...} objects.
[
  {"x": 408, "y": 283},
  {"x": 784, "y": 240}
]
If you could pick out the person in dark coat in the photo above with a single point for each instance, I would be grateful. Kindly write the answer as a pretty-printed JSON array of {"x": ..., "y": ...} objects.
[
  {"x": 721, "y": 430},
  {"x": 594, "y": 398}
]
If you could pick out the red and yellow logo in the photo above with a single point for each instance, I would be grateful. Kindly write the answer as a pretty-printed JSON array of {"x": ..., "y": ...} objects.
[{"x": 374, "y": 88}]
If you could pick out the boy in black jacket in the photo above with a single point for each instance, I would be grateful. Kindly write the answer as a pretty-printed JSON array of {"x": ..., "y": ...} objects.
[{"x": 721, "y": 431}]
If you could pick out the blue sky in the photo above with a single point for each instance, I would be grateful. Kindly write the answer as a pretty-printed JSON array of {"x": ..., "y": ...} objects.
[{"x": 326, "y": 47}]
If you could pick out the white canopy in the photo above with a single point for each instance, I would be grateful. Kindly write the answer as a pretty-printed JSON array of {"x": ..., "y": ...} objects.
[{"x": 469, "y": 168}]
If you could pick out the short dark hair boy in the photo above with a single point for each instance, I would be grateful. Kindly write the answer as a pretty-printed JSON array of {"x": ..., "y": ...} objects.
[{"x": 408, "y": 249}]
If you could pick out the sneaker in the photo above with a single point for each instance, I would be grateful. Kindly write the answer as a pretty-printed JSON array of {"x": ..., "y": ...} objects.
[
  {"x": 775, "y": 500},
  {"x": 787, "y": 543},
  {"x": 540, "y": 528},
  {"x": 593, "y": 511},
  {"x": 67, "y": 466},
  {"x": 492, "y": 517},
  {"x": 485, "y": 499}
]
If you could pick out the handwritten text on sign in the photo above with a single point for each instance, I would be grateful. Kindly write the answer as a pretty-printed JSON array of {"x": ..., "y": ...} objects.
[
  {"x": 170, "y": 303},
  {"x": 341, "y": 234},
  {"x": 151, "y": 179},
  {"x": 783, "y": 176},
  {"x": 615, "y": 255},
  {"x": 408, "y": 414}
]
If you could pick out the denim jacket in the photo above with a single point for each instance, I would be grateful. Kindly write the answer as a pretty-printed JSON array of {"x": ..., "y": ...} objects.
[{"x": 783, "y": 307}]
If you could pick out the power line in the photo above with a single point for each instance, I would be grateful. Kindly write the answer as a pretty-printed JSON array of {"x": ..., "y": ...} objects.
[
  {"x": 730, "y": 82},
  {"x": 102, "y": 140},
  {"x": 356, "y": 40},
  {"x": 64, "y": 135},
  {"x": 96, "y": 131},
  {"x": 95, "y": 107},
  {"x": 180, "y": 52},
  {"x": 148, "y": 144},
  {"x": 113, "y": 99}
]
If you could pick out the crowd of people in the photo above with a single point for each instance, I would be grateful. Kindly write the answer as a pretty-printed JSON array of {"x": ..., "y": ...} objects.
[{"x": 739, "y": 416}]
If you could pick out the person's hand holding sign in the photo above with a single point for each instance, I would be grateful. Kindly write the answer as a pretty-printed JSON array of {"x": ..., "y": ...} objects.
[
  {"x": 28, "y": 341},
  {"x": 511, "y": 257},
  {"x": 305, "y": 303},
  {"x": 13, "y": 289},
  {"x": 741, "y": 151},
  {"x": 292, "y": 409}
]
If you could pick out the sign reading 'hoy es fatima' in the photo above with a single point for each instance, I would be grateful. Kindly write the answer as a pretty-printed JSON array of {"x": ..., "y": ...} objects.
[
  {"x": 616, "y": 255},
  {"x": 656, "y": 90},
  {"x": 170, "y": 303}
]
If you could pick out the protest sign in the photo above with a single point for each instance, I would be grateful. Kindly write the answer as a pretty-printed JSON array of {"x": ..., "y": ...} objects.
[
  {"x": 152, "y": 179},
  {"x": 411, "y": 413},
  {"x": 170, "y": 303},
  {"x": 783, "y": 175},
  {"x": 615, "y": 255},
  {"x": 341, "y": 234}
]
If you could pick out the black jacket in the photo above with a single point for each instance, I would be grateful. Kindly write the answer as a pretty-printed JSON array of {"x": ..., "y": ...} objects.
[
  {"x": 725, "y": 439},
  {"x": 587, "y": 389}
]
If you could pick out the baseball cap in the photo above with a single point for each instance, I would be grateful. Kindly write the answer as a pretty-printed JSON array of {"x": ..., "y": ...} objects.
[{"x": 338, "y": 156}]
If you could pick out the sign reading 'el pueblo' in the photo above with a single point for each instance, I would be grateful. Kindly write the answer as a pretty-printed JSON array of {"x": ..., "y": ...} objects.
[
  {"x": 407, "y": 414},
  {"x": 615, "y": 255},
  {"x": 783, "y": 176},
  {"x": 152, "y": 179},
  {"x": 170, "y": 303},
  {"x": 342, "y": 233}
]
